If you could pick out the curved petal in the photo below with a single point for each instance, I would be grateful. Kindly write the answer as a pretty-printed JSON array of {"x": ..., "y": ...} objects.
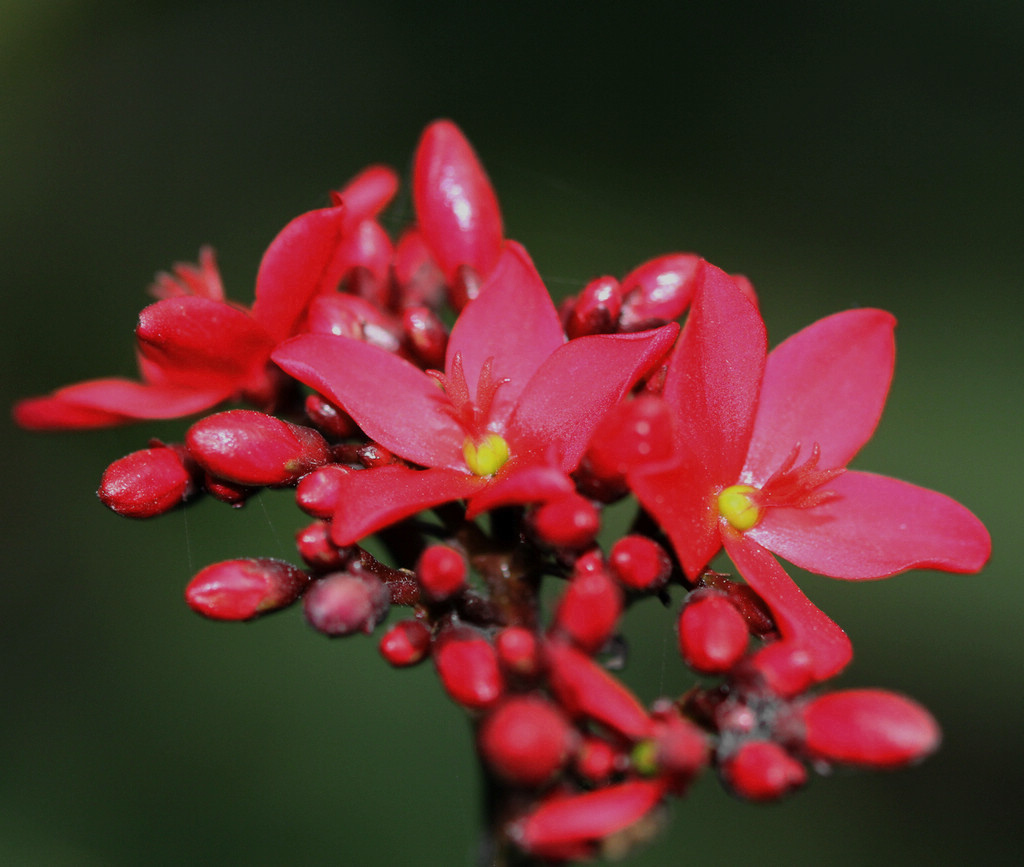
[
  {"x": 394, "y": 402},
  {"x": 800, "y": 621},
  {"x": 200, "y": 343},
  {"x": 368, "y": 193},
  {"x": 826, "y": 384},
  {"x": 577, "y": 385},
  {"x": 513, "y": 320},
  {"x": 370, "y": 500},
  {"x": 876, "y": 527},
  {"x": 715, "y": 374},
  {"x": 100, "y": 403},
  {"x": 517, "y": 485},
  {"x": 456, "y": 207},
  {"x": 679, "y": 496},
  {"x": 298, "y": 264}
]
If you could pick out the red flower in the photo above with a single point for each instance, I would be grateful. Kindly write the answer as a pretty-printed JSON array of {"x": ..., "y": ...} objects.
[
  {"x": 761, "y": 449},
  {"x": 512, "y": 416},
  {"x": 196, "y": 350}
]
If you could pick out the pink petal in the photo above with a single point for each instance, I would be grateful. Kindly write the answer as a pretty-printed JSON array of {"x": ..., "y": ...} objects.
[
  {"x": 394, "y": 402},
  {"x": 577, "y": 385},
  {"x": 200, "y": 343},
  {"x": 681, "y": 498},
  {"x": 876, "y": 527},
  {"x": 800, "y": 621},
  {"x": 370, "y": 500},
  {"x": 826, "y": 384},
  {"x": 715, "y": 374},
  {"x": 105, "y": 402},
  {"x": 298, "y": 264},
  {"x": 512, "y": 320},
  {"x": 368, "y": 193},
  {"x": 456, "y": 207},
  {"x": 516, "y": 484}
]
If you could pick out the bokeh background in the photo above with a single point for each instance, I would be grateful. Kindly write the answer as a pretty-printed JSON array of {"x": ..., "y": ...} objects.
[{"x": 838, "y": 154}]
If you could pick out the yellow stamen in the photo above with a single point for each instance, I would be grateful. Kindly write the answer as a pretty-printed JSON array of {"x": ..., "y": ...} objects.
[
  {"x": 486, "y": 457},
  {"x": 738, "y": 508}
]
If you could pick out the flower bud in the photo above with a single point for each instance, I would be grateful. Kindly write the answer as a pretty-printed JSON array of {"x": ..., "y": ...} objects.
[
  {"x": 227, "y": 492},
  {"x": 318, "y": 492},
  {"x": 762, "y": 771},
  {"x": 713, "y": 635},
  {"x": 468, "y": 667},
  {"x": 596, "y": 759},
  {"x": 250, "y": 448},
  {"x": 328, "y": 418},
  {"x": 868, "y": 727},
  {"x": 584, "y": 689},
  {"x": 518, "y": 651},
  {"x": 658, "y": 291},
  {"x": 149, "y": 482},
  {"x": 405, "y": 643},
  {"x": 640, "y": 563},
  {"x": 569, "y": 522},
  {"x": 596, "y": 310},
  {"x": 344, "y": 602},
  {"x": 637, "y": 431},
  {"x": 784, "y": 667},
  {"x": 441, "y": 572},
  {"x": 589, "y": 610},
  {"x": 677, "y": 751},
  {"x": 244, "y": 588},
  {"x": 526, "y": 740},
  {"x": 420, "y": 281},
  {"x": 319, "y": 551},
  {"x": 427, "y": 335}
]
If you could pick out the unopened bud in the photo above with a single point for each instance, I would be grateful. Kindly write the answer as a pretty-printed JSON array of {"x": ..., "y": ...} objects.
[
  {"x": 227, "y": 492},
  {"x": 149, "y": 482},
  {"x": 441, "y": 572},
  {"x": 343, "y": 603},
  {"x": 318, "y": 550},
  {"x": 762, "y": 771},
  {"x": 677, "y": 751},
  {"x": 569, "y": 522},
  {"x": 787, "y": 669},
  {"x": 468, "y": 668},
  {"x": 713, "y": 635},
  {"x": 318, "y": 492},
  {"x": 518, "y": 651},
  {"x": 328, "y": 418},
  {"x": 526, "y": 740},
  {"x": 636, "y": 432},
  {"x": 658, "y": 291},
  {"x": 596, "y": 310},
  {"x": 426, "y": 334},
  {"x": 405, "y": 643},
  {"x": 596, "y": 759},
  {"x": 251, "y": 448},
  {"x": 589, "y": 610},
  {"x": 640, "y": 563},
  {"x": 244, "y": 588}
]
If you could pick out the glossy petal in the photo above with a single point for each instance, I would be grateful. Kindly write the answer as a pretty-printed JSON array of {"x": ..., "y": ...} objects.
[
  {"x": 412, "y": 422},
  {"x": 199, "y": 343},
  {"x": 876, "y": 527},
  {"x": 800, "y": 621},
  {"x": 370, "y": 500},
  {"x": 826, "y": 384},
  {"x": 715, "y": 374},
  {"x": 99, "y": 403},
  {"x": 514, "y": 321},
  {"x": 368, "y": 193},
  {"x": 298, "y": 264},
  {"x": 456, "y": 207},
  {"x": 581, "y": 381},
  {"x": 516, "y": 484}
]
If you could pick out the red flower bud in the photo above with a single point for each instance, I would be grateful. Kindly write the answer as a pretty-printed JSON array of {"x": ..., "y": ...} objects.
[
  {"x": 251, "y": 448},
  {"x": 566, "y": 820},
  {"x": 640, "y": 563},
  {"x": 585, "y": 689},
  {"x": 677, "y": 751},
  {"x": 518, "y": 651},
  {"x": 658, "y": 291},
  {"x": 526, "y": 740},
  {"x": 589, "y": 610},
  {"x": 148, "y": 482},
  {"x": 245, "y": 588},
  {"x": 427, "y": 335},
  {"x": 317, "y": 492},
  {"x": 713, "y": 635},
  {"x": 318, "y": 550},
  {"x": 227, "y": 492},
  {"x": 441, "y": 572},
  {"x": 405, "y": 643},
  {"x": 635, "y": 432},
  {"x": 468, "y": 668},
  {"x": 784, "y": 667},
  {"x": 596, "y": 759},
  {"x": 762, "y": 771},
  {"x": 596, "y": 310},
  {"x": 328, "y": 418},
  {"x": 343, "y": 602},
  {"x": 569, "y": 522},
  {"x": 868, "y": 727},
  {"x": 419, "y": 279}
]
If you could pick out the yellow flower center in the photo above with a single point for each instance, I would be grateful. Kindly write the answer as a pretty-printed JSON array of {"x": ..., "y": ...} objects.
[
  {"x": 486, "y": 457},
  {"x": 738, "y": 508}
]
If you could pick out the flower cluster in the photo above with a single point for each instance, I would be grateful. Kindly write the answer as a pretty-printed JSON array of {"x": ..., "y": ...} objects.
[{"x": 481, "y": 455}]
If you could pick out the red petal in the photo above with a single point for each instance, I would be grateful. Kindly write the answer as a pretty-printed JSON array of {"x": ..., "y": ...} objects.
[
  {"x": 580, "y": 382},
  {"x": 715, "y": 374},
  {"x": 826, "y": 384},
  {"x": 516, "y": 484},
  {"x": 298, "y": 264},
  {"x": 373, "y": 499},
  {"x": 801, "y": 623},
  {"x": 200, "y": 343},
  {"x": 455, "y": 204},
  {"x": 512, "y": 320},
  {"x": 411, "y": 421},
  {"x": 368, "y": 193},
  {"x": 876, "y": 527}
]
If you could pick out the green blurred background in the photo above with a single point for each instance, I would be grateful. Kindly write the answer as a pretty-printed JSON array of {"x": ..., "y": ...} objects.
[{"x": 838, "y": 154}]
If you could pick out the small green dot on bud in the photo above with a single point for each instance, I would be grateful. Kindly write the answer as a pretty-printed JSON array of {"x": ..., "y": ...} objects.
[
  {"x": 486, "y": 457},
  {"x": 645, "y": 758}
]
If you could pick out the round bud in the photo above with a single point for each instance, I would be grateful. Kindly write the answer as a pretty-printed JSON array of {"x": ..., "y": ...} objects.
[
  {"x": 468, "y": 667},
  {"x": 318, "y": 550},
  {"x": 518, "y": 651},
  {"x": 713, "y": 635},
  {"x": 589, "y": 610},
  {"x": 405, "y": 643},
  {"x": 147, "y": 483},
  {"x": 762, "y": 771},
  {"x": 568, "y": 522},
  {"x": 244, "y": 588},
  {"x": 342, "y": 603},
  {"x": 526, "y": 740},
  {"x": 441, "y": 572},
  {"x": 640, "y": 563},
  {"x": 318, "y": 492}
]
